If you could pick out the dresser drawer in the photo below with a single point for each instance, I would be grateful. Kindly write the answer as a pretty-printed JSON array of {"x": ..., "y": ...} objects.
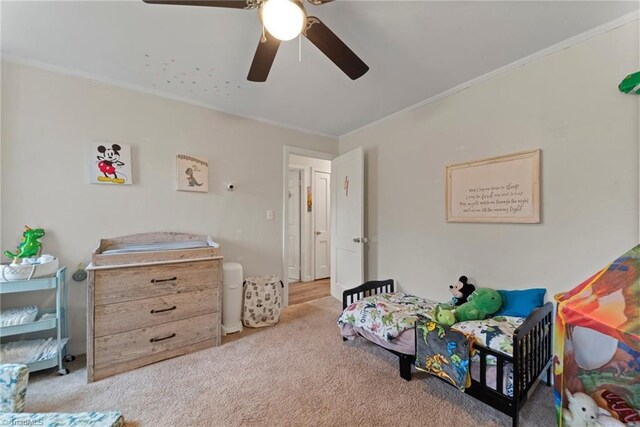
[
  {"x": 128, "y": 350},
  {"x": 125, "y": 316},
  {"x": 131, "y": 283}
]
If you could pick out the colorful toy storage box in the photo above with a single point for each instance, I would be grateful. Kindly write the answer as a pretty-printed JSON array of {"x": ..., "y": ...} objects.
[{"x": 597, "y": 340}]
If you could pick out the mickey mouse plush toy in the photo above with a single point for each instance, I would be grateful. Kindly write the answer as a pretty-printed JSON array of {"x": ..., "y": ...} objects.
[{"x": 461, "y": 291}]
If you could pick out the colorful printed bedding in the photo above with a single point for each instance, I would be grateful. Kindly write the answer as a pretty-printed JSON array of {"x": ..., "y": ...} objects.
[
  {"x": 367, "y": 316},
  {"x": 444, "y": 352},
  {"x": 495, "y": 333},
  {"x": 387, "y": 315}
]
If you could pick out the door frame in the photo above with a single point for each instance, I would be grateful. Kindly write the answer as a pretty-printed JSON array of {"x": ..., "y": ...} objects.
[{"x": 287, "y": 151}]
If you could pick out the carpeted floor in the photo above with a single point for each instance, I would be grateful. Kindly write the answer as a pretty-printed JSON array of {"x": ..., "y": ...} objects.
[{"x": 297, "y": 373}]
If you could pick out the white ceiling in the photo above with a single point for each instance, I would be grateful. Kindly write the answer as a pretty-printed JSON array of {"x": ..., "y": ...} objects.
[{"x": 415, "y": 50}]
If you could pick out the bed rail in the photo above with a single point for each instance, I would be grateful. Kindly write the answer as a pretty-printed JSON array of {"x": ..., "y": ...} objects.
[
  {"x": 501, "y": 360},
  {"x": 367, "y": 289},
  {"x": 532, "y": 355},
  {"x": 532, "y": 349},
  {"x": 497, "y": 396}
]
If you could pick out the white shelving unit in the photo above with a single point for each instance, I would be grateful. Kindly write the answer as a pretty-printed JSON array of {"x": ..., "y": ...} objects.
[{"x": 57, "y": 283}]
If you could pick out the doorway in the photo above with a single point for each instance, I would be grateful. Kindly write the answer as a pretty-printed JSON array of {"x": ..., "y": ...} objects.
[
  {"x": 294, "y": 229},
  {"x": 307, "y": 225}
]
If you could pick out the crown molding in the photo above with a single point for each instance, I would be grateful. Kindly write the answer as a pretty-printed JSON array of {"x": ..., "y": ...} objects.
[
  {"x": 577, "y": 39},
  {"x": 18, "y": 60}
]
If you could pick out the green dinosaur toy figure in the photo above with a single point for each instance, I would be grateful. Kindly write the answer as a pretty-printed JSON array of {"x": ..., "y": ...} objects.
[
  {"x": 444, "y": 315},
  {"x": 30, "y": 246},
  {"x": 482, "y": 303},
  {"x": 630, "y": 84}
]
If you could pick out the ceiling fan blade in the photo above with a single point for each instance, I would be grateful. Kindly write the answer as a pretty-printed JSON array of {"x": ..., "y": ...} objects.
[
  {"x": 263, "y": 59},
  {"x": 319, "y": 2},
  {"x": 234, "y": 4},
  {"x": 334, "y": 48}
]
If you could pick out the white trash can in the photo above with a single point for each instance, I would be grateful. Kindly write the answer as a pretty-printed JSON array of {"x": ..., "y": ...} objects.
[{"x": 231, "y": 297}]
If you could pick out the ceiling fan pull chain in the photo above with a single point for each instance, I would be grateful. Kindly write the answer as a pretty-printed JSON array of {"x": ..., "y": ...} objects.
[
  {"x": 300, "y": 47},
  {"x": 264, "y": 37}
]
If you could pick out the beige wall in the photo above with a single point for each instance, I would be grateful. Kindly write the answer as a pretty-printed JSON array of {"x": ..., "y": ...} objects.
[
  {"x": 568, "y": 105},
  {"x": 48, "y": 120}
]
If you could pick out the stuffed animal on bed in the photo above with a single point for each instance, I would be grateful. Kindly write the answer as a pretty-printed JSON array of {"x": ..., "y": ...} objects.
[
  {"x": 482, "y": 303},
  {"x": 461, "y": 291},
  {"x": 444, "y": 315}
]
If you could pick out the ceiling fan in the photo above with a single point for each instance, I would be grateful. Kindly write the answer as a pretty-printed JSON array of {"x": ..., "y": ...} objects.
[{"x": 284, "y": 20}]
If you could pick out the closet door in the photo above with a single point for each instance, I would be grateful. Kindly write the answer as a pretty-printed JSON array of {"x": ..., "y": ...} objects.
[{"x": 322, "y": 223}]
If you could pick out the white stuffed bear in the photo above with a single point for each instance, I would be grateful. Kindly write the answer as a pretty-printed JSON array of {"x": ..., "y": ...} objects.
[{"x": 584, "y": 412}]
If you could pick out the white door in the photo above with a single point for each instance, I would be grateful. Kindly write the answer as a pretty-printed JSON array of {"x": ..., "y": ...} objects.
[
  {"x": 347, "y": 226},
  {"x": 293, "y": 227},
  {"x": 322, "y": 215}
]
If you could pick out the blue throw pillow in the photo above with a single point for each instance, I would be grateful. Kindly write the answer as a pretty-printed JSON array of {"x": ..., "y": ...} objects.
[{"x": 521, "y": 303}]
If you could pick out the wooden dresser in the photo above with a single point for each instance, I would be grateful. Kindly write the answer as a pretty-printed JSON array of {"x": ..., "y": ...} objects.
[{"x": 151, "y": 297}]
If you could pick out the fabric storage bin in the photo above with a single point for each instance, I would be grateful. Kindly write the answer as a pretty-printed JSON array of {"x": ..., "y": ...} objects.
[{"x": 262, "y": 301}]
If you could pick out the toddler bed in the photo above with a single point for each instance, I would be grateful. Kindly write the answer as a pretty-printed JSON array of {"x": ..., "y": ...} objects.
[{"x": 511, "y": 352}]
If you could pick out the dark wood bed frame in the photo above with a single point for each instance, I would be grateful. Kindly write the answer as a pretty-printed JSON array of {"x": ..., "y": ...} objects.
[{"x": 534, "y": 333}]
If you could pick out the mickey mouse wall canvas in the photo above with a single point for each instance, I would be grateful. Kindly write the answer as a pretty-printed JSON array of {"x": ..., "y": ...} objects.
[{"x": 110, "y": 163}]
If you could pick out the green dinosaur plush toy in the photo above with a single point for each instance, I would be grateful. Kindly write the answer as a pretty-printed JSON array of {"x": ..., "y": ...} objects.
[
  {"x": 482, "y": 303},
  {"x": 30, "y": 246},
  {"x": 444, "y": 315}
]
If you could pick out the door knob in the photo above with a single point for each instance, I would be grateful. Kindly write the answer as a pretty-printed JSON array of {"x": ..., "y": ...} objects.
[
  {"x": 359, "y": 240},
  {"x": 318, "y": 233}
]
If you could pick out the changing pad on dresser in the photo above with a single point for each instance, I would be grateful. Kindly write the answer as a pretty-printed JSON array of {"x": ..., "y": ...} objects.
[{"x": 160, "y": 246}]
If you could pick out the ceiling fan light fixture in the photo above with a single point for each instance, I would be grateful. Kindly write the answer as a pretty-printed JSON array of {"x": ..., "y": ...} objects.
[{"x": 283, "y": 19}]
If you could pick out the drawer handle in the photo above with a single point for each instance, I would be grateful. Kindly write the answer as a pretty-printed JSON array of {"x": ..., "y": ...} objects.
[
  {"x": 163, "y": 280},
  {"x": 163, "y": 310},
  {"x": 163, "y": 338}
]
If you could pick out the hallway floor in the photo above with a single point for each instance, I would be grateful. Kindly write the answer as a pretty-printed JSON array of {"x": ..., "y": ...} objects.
[{"x": 300, "y": 292}]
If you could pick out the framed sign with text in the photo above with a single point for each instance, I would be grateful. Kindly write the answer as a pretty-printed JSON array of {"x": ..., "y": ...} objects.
[{"x": 498, "y": 189}]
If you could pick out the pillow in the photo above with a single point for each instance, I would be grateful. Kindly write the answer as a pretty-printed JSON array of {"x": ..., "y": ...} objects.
[{"x": 521, "y": 303}]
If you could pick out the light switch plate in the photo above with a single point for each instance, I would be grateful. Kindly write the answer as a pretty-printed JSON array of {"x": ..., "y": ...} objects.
[{"x": 269, "y": 214}]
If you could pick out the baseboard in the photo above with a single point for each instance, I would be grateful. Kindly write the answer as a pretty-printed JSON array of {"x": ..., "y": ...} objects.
[{"x": 336, "y": 290}]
